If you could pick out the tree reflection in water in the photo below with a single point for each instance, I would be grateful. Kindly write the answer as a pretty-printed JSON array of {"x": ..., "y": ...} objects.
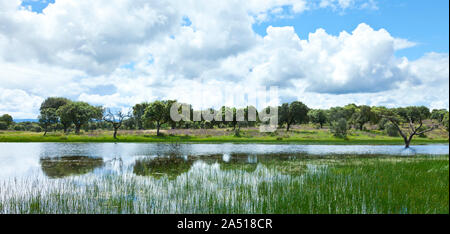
[
  {"x": 59, "y": 167},
  {"x": 172, "y": 166}
]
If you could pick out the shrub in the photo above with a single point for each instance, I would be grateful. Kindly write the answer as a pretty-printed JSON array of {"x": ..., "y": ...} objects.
[
  {"x": 237, "y": 132},
  {"x": 339, "y": 128},
  {"x": 37, "y": 129},
  {"x": 19, "y": 127},
  {"x": 382, "y": 124},
  {"x": 423, "y": 134},
  {"x": 391, "y": 130}
]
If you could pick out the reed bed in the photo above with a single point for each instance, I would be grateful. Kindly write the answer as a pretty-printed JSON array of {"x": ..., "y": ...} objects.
[{"x": 399, "y": 185}]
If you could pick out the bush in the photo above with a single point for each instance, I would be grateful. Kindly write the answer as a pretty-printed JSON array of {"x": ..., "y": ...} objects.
[
  {"x": 19, "y": 127},
  {"x": 382, "y": 124},
  {"x": 3, "y": 125},
  {"x": 391, "y": 130},
  {"x": 423, "y": 134},
  {"x": 36, "y": 129},
  {"x": 339, "y": 128},
  {"x": 237, "y": 132}
]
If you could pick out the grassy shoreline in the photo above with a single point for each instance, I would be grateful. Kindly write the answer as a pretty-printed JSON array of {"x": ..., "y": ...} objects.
[{"x": 292, "y": 139}]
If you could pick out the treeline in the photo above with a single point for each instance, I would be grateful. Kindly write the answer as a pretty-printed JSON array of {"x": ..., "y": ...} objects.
[{"x": 57, "y": 113}]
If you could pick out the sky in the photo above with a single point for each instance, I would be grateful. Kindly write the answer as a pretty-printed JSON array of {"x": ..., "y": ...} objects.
[{"x": 325, "y": 53}]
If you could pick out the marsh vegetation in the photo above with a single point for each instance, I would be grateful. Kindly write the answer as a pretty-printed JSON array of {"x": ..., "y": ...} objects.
[{"x": 164, "y": 178}]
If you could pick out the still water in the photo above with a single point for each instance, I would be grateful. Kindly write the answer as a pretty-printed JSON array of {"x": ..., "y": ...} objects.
[
  {"x": 219, "y": 178},
  {"x": 58, "y": 160}
]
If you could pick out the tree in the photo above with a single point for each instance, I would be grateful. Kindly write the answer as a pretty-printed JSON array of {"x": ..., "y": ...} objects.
[
  {"x": 339, "y": 128},
  {"x": 7, "y": 120},
  {"x": 438, "y": 114},
  {"x": 173, "y": 124},
  {"x": 115, "y": 120},
  {"x": 294, "y": 113},
  {"x": 79, "y": 113},
  {"x": 337, "y": 113},
  {"x": 377, "y": 117},
  {"x": 159, "y": 112},
  {"x": 412, "y": 117},
  {"x": 361, "y": 116},
  {"x": 138, "y": 113},
  {"x": 65, "y": 117},
  {"x": 251, "y": 115},
  {"x": 445, "y": 121},
  {"x": 54, "y": 102},
  {"x": 318, "y": 117},
  {"x": 3, "y": 125},
  {"x": 47, "y": 118}
]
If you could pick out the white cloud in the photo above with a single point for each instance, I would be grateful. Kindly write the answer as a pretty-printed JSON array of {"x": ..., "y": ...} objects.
[
  {"x": 94, "y": 36},
  {"x": 178, "y": 47},
  {"x": 19, "y": 103}
]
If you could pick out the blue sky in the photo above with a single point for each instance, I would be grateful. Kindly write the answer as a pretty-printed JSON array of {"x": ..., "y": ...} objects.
[
  {"x": 119, "y": 53},
  {"x": 423, "y": 22}
]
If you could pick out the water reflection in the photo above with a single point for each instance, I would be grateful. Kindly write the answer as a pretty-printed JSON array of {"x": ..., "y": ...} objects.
[
  {"x": 59, "y": 167},
  {"x": 172, "y": 166},
  {"x": 30, "y": 159},
  {"x": 246, "y": 163}
]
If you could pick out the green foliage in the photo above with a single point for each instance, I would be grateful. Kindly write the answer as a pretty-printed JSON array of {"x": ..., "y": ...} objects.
[
  {"x": 318, "y": 117},
  {"x": 7, "y": 119},
  {"x": 294, "y": 113},
  {"x": 337, "y": 113},
  {"x": 382, "y": 123},
  {"x": 159, "y": 112},
  {"x": 438, "y": 114},
  {"x": 445, "y": 121},
  {"x": 413, "y": 113},
  {"x": 138, "y": 114},
  {"x": 3, "y": 125},
  {"x": 47, "y": 118},
  {"x": 339, "y": 128},
  {"x": 237, "y": 132},
  {"x": 79, "y": 113},
  {"x": 54, "y": 102},
  {"x": 27, "y": 126},
  {"x": 361, "y": 115},
  {"x": 391, "y": 130}
]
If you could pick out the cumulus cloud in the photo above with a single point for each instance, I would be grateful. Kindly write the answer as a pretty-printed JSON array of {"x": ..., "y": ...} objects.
[
  {"x": 93, "y": 36},
  {"x": 118, "y": 53}
]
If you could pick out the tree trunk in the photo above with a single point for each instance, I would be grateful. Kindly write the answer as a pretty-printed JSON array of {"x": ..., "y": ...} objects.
[
  {"x": 115, "y": 133},
  {"x": 287, "y": 128},
  {"x": 157, "y": 129},
  {"x": 45, "y": 131},
  {"x": 407, "y": 144},
  {"x": 321, "y": 125},
  {"x": 77, "y": 129}
]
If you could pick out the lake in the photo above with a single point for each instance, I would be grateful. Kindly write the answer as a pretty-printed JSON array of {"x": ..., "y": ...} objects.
[{"x": 233, "y": 178}]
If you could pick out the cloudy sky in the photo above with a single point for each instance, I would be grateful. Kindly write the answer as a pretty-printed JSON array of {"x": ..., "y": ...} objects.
[{"x": 322, "y": 52}]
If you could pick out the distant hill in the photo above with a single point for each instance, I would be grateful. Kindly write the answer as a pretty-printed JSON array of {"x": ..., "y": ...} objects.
[{"x": 25, "y": 120}]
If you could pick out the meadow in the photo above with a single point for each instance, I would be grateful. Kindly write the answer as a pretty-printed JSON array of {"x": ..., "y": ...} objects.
[{"x": 304, "y": 134}]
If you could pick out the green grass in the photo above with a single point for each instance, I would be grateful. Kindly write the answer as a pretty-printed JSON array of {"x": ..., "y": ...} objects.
[
  {"x": 294, "y": 137},
  {"x": 345, "y": 185}
]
